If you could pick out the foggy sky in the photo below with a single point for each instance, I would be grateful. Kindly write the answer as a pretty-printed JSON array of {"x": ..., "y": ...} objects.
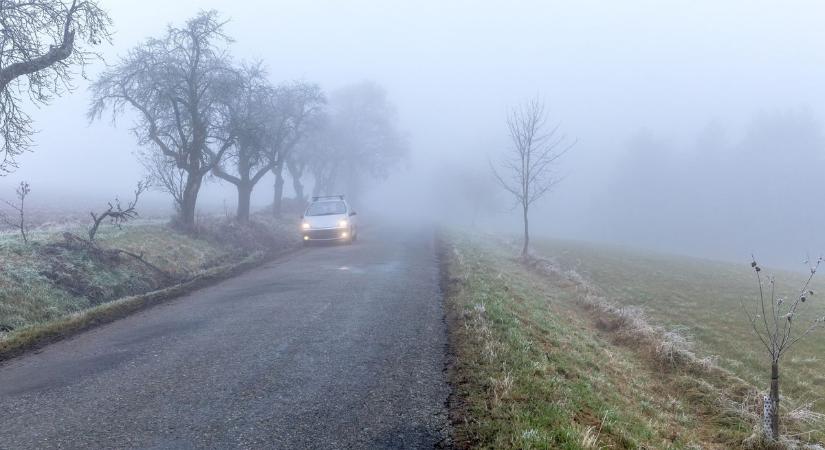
[{"x": 623, "y": 77}]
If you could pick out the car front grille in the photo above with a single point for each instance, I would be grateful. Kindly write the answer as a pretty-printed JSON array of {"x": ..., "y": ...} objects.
[{"x": 332, "y": 233}]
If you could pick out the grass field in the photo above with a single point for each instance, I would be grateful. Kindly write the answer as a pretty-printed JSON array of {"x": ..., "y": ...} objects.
[
  {"x": 49, "y": 278},
  {"x": 535, "y": 367},
  {"x": 702, "y": 299}
]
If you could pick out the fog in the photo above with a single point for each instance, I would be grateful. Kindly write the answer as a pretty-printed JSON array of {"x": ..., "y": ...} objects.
[{"x": 698, "y": 123}]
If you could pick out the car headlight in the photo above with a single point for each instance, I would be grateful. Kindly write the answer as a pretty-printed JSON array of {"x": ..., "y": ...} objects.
[
  {"x": 305, "y": 226},
  {"x": 342, "y": 223}
]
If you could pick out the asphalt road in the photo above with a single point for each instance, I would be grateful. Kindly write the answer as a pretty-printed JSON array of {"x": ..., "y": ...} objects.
[{"x": 332, "y": 347}]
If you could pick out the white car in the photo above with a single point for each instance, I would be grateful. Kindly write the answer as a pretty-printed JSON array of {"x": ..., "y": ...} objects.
[{"x": 329, "y": 219}]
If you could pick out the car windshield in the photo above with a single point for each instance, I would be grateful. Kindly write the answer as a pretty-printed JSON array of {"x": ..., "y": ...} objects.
[{"x": 326, "y": 208}]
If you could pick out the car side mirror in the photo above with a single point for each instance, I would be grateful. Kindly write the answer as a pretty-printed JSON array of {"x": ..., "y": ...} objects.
[{"x": 352, "y": 213}]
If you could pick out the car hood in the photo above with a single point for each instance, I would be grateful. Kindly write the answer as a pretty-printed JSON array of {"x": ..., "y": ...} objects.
[{"x": 330, "y": 221}]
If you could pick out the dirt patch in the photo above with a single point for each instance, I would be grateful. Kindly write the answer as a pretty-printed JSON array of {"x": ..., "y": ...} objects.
[
  {"x": 73, "y": 280},
  {"x": 95, "y": 273}
]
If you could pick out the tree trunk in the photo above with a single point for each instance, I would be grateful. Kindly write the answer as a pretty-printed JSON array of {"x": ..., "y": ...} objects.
[
  {"x": 279, "y": 189},
  {"x": 299, "y": 189},
  {"x": 244, "y": 201},
  {"x": 296, "y": 172},
  {"x": 189, "y": 201},
  {"x": 526, "y": 233},
  {"x": 771, "y": 408}
]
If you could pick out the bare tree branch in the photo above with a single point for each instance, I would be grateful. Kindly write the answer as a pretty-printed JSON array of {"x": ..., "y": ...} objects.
[
  {"x": 116, "y": 213},
  {"x": 40, "y": 42}
]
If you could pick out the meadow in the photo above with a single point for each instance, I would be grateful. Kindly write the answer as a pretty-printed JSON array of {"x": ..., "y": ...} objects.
[
  {"x": 563, "y": 358},
  {"x": 703, "y": 300}
]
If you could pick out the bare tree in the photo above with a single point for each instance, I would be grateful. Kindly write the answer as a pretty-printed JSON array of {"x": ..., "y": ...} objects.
[
  {"x": 250, "y": 112},
  {"x": 296, "y": 166},
  {"x": 116, "y": 213},
  {"x": 320, "y": 155},
  {"x": 298, "y": 109},
  {"x": 40, "y": 41},
  {"x": 267, "y": 122},
  {"x": 359, "y": 140},
  {"x": 527, "y": 170},
  {"x": 165, "y": 175},
  {"x": 177, "y": 84},
  {"x": 19, "y": 221},
  {"x": 774, "y": 324}
]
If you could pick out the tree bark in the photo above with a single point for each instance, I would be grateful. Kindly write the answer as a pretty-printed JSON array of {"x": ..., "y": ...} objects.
[
  {"x": 190, "y": 199},
  {"x": 244, "y": 201},
  {"x": 295, "y": 174},
  {"x": 299, "y": 190},
  {"x": 773, "y": 407},
  {"x": 279, "y": 189},
  {"x": 526, "y": 233},
  {"x": 38, "y": 63}
]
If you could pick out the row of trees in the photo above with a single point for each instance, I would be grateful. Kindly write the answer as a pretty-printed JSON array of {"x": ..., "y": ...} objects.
[{"x": 199, "y": 114}]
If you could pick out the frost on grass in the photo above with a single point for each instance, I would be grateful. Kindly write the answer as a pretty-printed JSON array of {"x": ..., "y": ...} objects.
[
  {"x": 629, "y": 324},
  {"x": 672, "y": 348}
]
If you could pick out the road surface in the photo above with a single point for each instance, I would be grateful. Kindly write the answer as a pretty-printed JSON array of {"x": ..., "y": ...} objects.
[{"x": 332, "y": 347}]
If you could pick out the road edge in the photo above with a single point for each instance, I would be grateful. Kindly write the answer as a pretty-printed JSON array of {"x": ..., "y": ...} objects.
[{"x": 453, "y": 402}]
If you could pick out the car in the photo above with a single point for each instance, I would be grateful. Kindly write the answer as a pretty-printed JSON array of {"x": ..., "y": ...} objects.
[{"x": 329, "y": 218}]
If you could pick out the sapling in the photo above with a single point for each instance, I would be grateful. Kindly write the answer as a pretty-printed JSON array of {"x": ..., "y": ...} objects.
[
  {"x": 776, "y": 325},
  {"x": 19, "y": 221}
]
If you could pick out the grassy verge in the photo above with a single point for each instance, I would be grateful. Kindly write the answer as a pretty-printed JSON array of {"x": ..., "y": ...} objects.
[
  {"x": 702, "y": 298},
  {"x": 537, "y": 366},
  {"x": 52, "y": 287}
]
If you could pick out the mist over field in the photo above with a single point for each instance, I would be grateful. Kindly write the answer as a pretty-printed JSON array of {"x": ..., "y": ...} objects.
[
  {"x": 698, "y": 123},
  {"x": 412, "y": 224}
]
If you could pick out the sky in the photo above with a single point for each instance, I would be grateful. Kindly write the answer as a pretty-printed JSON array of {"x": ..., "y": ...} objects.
[{"x": 617, "y": 75}]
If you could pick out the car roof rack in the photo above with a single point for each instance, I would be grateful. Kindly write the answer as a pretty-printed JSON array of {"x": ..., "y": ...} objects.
[{"x": 318, "y": 197}]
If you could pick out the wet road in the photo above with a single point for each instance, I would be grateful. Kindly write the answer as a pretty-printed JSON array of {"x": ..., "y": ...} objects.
[{"x": 332, "y": 347}]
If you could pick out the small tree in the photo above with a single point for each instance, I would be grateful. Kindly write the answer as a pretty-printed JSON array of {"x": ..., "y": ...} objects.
[
  {"x": 40, "y": 42},
  {"x": 116, "y": 213},
  {"x": 526, "y": 171},
  {"x": 773, "y": 322},
  {"x": 19, "y": 221}
]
